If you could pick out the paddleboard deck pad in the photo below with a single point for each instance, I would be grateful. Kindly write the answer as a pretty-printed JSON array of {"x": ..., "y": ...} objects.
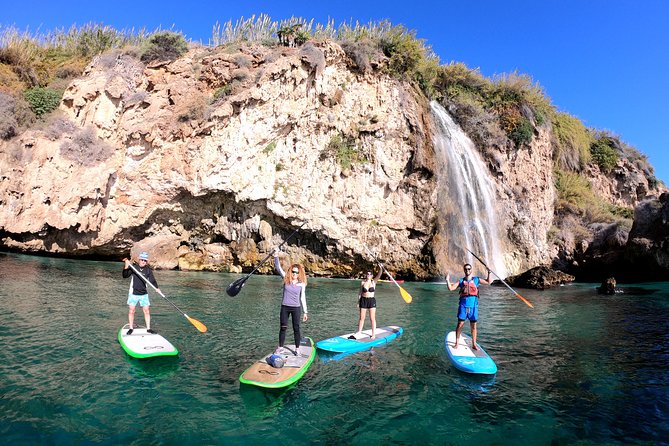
[
  {"x": 141, "y": 344},
  {"x": 262, "y": 374},
  {"x": 354, "y": 342},
  {"x": 466, "y": 359}
]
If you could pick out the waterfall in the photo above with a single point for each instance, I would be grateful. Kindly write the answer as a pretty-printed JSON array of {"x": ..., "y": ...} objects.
[{"x": 466, "y": 204}]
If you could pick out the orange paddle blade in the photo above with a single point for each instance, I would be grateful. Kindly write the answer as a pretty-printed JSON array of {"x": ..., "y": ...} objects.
[
  {"x": 199, "y": 325},
  {"x": 524, "y": 300}
]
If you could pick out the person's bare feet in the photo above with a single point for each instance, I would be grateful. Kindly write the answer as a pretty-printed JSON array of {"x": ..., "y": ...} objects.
[{"x": 474, "y": 346}]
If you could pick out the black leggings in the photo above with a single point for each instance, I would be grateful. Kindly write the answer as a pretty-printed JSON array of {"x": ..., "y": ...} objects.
[{"x": 296, "y": 313}]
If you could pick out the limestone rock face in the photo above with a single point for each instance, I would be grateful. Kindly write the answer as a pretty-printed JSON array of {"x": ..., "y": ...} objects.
[
  {"x": 526, "y": 189},
  {"x": 216, "y": 157},
  {"x": 626, "y": 186},
  {"x": 210, "y": 161},
  {"x": 647, "y": 250}
]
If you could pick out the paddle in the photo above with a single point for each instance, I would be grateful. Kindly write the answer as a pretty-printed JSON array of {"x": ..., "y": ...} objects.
[
  {"x": 235, "y": 287},
  {"x": 507, "y": 285},
  {"x": 405, "y": 295},
  {"x": 199, "y": 325}
]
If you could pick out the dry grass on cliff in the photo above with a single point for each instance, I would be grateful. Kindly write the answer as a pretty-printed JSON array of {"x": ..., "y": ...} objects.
[
  {"x": 85, "y": 148},
  {"x": 39, "y": 58},
  {"x": 571, "y": 144},
  {"x": 576, "y": 197}
]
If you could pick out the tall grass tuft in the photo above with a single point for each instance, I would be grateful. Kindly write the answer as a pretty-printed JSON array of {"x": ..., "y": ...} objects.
[
  {"x": 571, "y": 147},
  {"x": 38, "y": 58}
]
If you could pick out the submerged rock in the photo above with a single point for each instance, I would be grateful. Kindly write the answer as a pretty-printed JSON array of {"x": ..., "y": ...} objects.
[{"x": 608, "y": 286}]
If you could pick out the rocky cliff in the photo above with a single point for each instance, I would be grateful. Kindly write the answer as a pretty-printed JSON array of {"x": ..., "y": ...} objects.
[{"x": 211, "y": 160}]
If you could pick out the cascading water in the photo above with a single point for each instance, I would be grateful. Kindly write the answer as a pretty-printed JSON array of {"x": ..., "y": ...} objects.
[{"x": 467, "y": 205}]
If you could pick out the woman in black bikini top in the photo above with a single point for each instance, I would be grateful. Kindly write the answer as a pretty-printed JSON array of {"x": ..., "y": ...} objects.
[
  {"x": 368, "y": 290},
  {"x": 367, "y": 301}
]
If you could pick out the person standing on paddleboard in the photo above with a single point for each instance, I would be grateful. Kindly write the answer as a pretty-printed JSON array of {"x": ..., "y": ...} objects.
[
  {"x": 294, "y": 299},
  {"x": 468, "y": 308},
  {"x": 367, "y": 302},
  {"x": 137, "y": 292}
]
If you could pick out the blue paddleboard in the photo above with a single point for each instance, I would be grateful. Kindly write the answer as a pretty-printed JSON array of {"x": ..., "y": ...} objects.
[
  {"x": 352, "y": 342},
  {"x": 466, "y": 359}
]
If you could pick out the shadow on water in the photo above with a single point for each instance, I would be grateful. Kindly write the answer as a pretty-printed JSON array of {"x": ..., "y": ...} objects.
[
  {"x": 472, "y": 383},
  {"x": 261, "y": 403},
  {"x": 152, "y": 367}
]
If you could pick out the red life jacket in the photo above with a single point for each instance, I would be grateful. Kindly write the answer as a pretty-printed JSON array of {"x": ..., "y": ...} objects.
[{"x": 468, "y": 288}]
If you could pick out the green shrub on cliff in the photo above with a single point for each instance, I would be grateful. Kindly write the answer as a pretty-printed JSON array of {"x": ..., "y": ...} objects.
[
  {"x": 604, "y": 154},
  {"x": 520, "y": 104},
  {"x": 403, "y": 49},
  {"x": 43, "y": 100},
  {"x": 522, "y": 132},
  {"x": 513, "y": 103},
  {"x": 165, "y": 45},
  {"x": 344, "y": 150},
  {"x": 456, "y": 80}
]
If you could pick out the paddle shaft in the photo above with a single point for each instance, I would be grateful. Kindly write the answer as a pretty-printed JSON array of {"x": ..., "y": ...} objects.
[
  {"x": 502, "y": 280},
  {"x": 381, "y": 265},
  {"x": 155, "y": 289},
  {"x": 236, "y": 286}
]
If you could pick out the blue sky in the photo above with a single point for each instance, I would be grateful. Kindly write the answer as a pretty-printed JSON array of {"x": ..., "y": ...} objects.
[{"x": 604, "y": 61}]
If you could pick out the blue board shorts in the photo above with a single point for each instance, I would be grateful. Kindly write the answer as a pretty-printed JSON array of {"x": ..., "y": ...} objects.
[
  {"x": 468, "y": 309},
  {"x": 142, "y": 299}
]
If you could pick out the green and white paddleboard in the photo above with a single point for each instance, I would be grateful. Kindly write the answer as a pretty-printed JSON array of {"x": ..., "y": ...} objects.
[
  {"x": 141, "y": 344},
  {"x": 262, "y": 374}
]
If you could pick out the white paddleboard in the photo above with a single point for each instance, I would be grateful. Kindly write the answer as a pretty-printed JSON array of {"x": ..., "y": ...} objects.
[{"x": 141, "y": 344}]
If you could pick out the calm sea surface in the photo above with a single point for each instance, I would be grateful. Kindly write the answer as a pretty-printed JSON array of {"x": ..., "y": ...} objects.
[{"x": 578, "y": 368}]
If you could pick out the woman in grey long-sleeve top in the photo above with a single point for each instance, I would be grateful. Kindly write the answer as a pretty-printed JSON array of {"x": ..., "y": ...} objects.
[{"x": 294, "y": 299}]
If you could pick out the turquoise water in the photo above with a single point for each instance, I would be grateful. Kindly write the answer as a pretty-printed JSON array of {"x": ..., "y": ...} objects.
[{"x": 579, "y": 368}]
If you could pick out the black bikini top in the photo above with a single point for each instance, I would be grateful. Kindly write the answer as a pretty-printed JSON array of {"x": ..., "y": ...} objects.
[{"x": 368, "y": 290}]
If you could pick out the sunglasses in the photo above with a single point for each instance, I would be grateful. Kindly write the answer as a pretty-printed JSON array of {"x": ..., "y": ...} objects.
[
  {"x": 295, "y": 271},
  {"x": 468, "y": 269}
]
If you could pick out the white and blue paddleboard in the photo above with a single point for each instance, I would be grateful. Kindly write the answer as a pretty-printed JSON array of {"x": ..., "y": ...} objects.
[
  {"x": 466, "y": 359},
  {"x": 353, "y": 342},
  {"x": 142, "y": 344}
]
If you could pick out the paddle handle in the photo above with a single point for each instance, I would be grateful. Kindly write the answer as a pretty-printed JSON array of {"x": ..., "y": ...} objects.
[
  {"x": 140, "y": 275},
  {"x": 272, "y": 253}
]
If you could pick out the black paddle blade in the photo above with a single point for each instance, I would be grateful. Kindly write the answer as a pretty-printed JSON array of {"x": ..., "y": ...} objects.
[{"x": 235, "y": 287}]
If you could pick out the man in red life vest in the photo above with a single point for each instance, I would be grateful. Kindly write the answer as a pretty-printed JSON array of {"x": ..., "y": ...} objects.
[{"x": 469, "y": 301}]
